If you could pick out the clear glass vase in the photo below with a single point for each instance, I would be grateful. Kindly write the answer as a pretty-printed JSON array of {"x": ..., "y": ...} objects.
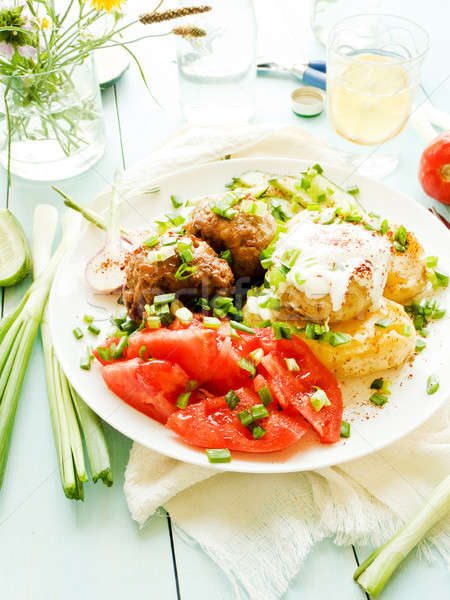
[
  {"x": 217, "y": 69},
  {"x": 55, "y": 122}
]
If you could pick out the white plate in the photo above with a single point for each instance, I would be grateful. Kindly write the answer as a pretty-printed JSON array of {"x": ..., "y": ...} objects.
[{"x": 371, "y": 427}]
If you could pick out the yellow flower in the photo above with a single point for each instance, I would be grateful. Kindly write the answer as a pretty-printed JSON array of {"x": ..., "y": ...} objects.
[
  {"x": 45, "y": 23},
  {"x": 107, "y": 5}
]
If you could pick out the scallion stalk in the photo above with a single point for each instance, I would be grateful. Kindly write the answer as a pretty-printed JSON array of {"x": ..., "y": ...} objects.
[
  {"x": 373, "y": 574},
  {"x": 17, "y": 333},
  {"x": 72, "y": 420}
]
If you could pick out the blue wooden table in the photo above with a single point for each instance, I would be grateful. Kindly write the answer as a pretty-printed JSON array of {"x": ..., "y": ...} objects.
[{"x": 53, "y": 548}]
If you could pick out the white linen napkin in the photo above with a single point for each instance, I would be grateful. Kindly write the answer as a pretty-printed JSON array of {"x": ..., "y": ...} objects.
[{"x": 259, "y": 528}]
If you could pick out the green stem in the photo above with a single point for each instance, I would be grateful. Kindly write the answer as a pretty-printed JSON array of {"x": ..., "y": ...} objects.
[{"x": 373, "y": 574}]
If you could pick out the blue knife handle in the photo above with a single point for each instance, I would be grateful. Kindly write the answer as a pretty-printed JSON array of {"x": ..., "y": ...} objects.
[
  {"x": 315, "y": 78},
  {"x": 318, "y": 65}
]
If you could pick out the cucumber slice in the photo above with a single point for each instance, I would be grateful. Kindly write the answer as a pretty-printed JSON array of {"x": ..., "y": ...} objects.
[
  {"x": 290, "y": 187},
  {"x": 250, "y": 179},
  {"x": 15, "y": 255}
]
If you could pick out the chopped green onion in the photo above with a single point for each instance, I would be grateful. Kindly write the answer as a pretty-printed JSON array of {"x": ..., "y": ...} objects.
[
  {"x": 104, "y": 352},
  {"x": 223, "y": 206},
  {"x": 247, "y": 365},
  {"x": 319, "y": 399},
  {"x": 305, "y": 183},
  {"x": 317, "y": 168},
  {"x": 314, "y": 207},
  {"x": 184, "y": 315},
  {"x": 88, "y": 318},
  {"x": 186, "y": 255},
  {"x": 272, "y": 303},
  {"x": 420, "y": 344},
  {"x": 241, "y": 327},
  {"x": 175, "y": 203},
  {"x": 259, "y": 411},
  {"x": 406, "y": 330},
  {"x": 257, "y": 355},
  {"x": 265, "y": 323},
  {"x": 78, "y": 333},
  {"x": 401, "y": 236},
  {"x": 292, "y": 364},
  {"x": 191, "y": 385},
  {"x": 232, "y": 399},
  {"x": 438, "y": 279},
  {"x": 85, "y": 361},
  {"x": 378, "y": 399},
  {"x": 245, "y": 417},
  {"x": 164, "y": 299},
  {"x": 254, "y": 208},
  {"x": 226, "y": 255},
  {"x": 153, "y": 322},
  {"x": 275, "y": 277},
  {"x": 335, "y": 338},
  {"x": 218, "y": 455},
  {"x": 211, "y": 322},
  {"x": 384, "y": 227},
  {"x": 383, "y": 323},
  {"x": 144, "y": 354},
  {"x": 377, "y": 384},
  {"x": 258, "y": 432},
  {"x": 93, "y": 329},
  {"x": 151, "y": 241},
  {"x": 185, "y": 271},
  {"x": 432, "y": 384},
  {"x": 265, "y": 396},
  {"x": 345, "y": 429},
  {"x": 281, "y": 331},
  {"x": 203, "y": 303},
  {"x": 121, "y": 347},
  {"x": 431, "y": 261},
  {"x": 382, "y": 385},
  {"x": 183, "y": 400},
  {"x": 353, "y": 190}
]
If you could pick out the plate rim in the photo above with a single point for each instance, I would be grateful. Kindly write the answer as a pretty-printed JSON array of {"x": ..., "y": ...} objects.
[{"x": 198, "y": 458}]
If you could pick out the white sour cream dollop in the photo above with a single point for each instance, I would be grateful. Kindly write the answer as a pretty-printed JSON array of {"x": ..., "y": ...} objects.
[{"x": 330, "y": 256}]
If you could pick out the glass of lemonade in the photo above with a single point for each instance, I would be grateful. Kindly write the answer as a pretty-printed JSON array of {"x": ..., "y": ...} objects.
[{"x": 373, "y": 69}]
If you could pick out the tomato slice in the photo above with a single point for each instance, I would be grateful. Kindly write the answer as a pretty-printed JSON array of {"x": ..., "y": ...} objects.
[
  {"x": 225, "y": 372},
  {"x": 211, "y": 424},
  {"x": 193, "y": 348},
  {"x": 294, "y": 388},
  {"x": 150, "y": 387}
]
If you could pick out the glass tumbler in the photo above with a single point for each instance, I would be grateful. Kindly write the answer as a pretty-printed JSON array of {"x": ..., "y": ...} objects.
[
  {"x": 216, "y": 69},
  {"x": 373, "y": 69}
]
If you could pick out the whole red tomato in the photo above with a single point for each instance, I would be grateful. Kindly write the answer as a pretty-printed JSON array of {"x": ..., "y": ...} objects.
[{"x": 434, "y": 168}]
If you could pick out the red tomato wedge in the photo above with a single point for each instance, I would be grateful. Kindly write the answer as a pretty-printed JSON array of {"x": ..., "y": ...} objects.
[
  {"x": 150, "y": 387},
  {"x": 225, "y": 372},
  {"x": 194, "y": 348},
  {"x": 294, "y": 388},
  {"x": 211, "y": 358},
  {"x": 211, "y": 424}
]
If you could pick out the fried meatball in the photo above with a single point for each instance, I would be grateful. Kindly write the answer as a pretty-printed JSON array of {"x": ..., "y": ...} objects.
[
  {"x": 407, "y": 275},
  {"x": 244, "y": 235},
  {"x": 145, "y": 279}
]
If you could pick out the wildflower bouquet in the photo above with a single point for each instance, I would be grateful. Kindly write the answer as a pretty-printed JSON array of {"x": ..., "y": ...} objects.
[{"x": 51, "y": 103}]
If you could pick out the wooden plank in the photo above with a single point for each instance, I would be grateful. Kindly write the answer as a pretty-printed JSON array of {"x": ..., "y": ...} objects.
[
  {"x": 53, "y": 546},
  {"x": 327, "y": 572}
]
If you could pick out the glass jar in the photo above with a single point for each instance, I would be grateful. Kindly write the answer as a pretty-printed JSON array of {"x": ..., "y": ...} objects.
[
  {"x": 55, "y": 121},
  {"x": 216, "y": 69}
]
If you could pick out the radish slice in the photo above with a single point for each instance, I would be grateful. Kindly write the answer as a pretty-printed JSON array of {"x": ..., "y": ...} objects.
[{"x": 104, "y": 272}]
